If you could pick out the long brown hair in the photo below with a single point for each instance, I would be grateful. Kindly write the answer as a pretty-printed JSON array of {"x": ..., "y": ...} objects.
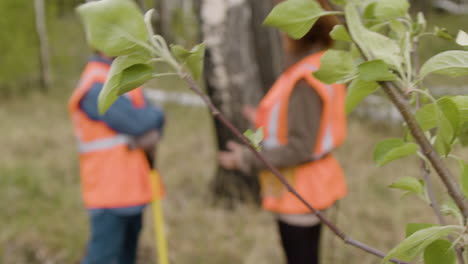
[{"x": 318, "y": 34}]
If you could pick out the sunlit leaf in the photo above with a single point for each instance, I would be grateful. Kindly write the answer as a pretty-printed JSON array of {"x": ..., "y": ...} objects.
[
  {"x": 385, "y": 9},
  {"x": 192, "y": 59},
  {"x": 254, "y": 137},
  {"x": 440, "y": 251},
  {"x": 453, "y": 63},
  {"x": 357, "y": 91},
  {"x": 375, "y": 70},
  {"x": 373, "y": 44},
  {"x": 336, "y": 67},
  {"x": 127, "y": 73},
  {"x": 412, "y": 228},
  {"x": 115, "y": 27},
  {"x": 462, "y": 38},
  {"x": 409, "y": 184},
  {"x": 398, "y": 27},
  {"x": 420, "y": 25},
  {"x": 416, "y": 243},
  {"x": 391, "y": 149},
  {"x": 339, "y": 32},
  {"x": 296, "y": 17},
  {"x": 450, "y": 208}
]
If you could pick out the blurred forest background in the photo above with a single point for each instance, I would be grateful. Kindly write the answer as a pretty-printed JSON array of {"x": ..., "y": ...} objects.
[{"x": 42, "y": 219}]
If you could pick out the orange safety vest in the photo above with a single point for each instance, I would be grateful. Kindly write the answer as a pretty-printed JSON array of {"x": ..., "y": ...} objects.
[
  {"x": 112, "y": 175},
  {"x": 321, "y": 181}
]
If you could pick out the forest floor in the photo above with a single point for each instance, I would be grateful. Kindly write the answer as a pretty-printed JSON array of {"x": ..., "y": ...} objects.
[{"x": 43, "y": 220}]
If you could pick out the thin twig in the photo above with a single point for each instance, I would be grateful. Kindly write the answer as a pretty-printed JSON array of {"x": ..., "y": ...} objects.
[
  {"x": 338, "y": 232},
  {"x": 426, "y": 147},
  {"x": 425, "y": 170}
]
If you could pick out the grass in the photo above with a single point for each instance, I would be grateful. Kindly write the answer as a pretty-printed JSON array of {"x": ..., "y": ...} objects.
[{"x": 43, "y": 219}]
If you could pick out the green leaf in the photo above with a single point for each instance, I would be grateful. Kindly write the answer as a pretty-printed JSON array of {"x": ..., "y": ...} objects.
[
  {"x": 450, "y": 110},
  {"x": 416, "y": 243},
  {"x": 412, "y": 228},
  {"x": 255, "y": 137},
  {"x": 420, "y": 25},
  {"x": 443, "y": 33},
  {"x": 446, "y": 116},
  {"x": 114, "y": 27},
  {"x": 357, "y": 91},
  {"x": 409, "y": 184},
  {"x": 339, "y": 32},
  {"x": 385, "y": 9},
  {"x": 398, "y": 27},
  {"x": 375, "y": 70},
  {"x": 296, "y": 17},
  {"x": 462, "y": 104},
  {"x": 192, "y": 59},
  {"x": 339, "y": 2},
  {"x": 450, "y": 208},
  {"x": 453, "y": 63},
  {"x": 373, "y": 44},
  {"x": 127, "y": 73},
  {"x": 462, "y": 38},
  {"x": 463, "y": 134},
  {"x": 448, "y": 125},
  {"x": 336, "y": 67},
  {"x": 427, "y": 117},
  {"x": 445, "y": 133},
  {"x": 391, "y": 149},
  {"x": 440, "y": 251}
]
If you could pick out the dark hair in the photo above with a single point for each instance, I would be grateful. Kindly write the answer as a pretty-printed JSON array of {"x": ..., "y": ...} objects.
[{"x": 318, "y": 34}]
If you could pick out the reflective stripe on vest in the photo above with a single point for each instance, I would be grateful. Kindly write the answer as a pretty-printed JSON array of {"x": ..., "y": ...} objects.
[
  {"x": 272, "y": 140},
  {"x": 103, "y": 144},
  {"x": 327, "y": 140}
]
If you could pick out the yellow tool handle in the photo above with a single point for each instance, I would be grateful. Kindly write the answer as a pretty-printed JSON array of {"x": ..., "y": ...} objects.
[{"x": 161, "y": 243}]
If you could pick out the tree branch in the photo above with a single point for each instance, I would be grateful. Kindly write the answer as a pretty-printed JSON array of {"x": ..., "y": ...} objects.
[
  {"x": 426, "y": 147},
  {"x": 338, "y": 232}
]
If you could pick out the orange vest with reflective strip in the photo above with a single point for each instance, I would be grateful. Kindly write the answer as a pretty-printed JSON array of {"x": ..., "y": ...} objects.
[
  {"x": 112, "y": 175},
  {"x": 321, "y": 181}
]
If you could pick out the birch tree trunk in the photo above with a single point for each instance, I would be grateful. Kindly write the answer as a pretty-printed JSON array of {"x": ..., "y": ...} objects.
[
  {"x": 239, "y": 69},
  {"x": 41, "y": 29}
]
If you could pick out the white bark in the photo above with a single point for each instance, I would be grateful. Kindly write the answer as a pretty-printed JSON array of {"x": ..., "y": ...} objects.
[
  {"x": 227, "y": 33},
  {"x": 43, "y": 43}
]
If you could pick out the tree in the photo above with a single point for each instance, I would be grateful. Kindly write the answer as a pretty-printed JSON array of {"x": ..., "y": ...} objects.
[
  {"x": 43, "y": 44},
  {"x": 242, "y": 62}
]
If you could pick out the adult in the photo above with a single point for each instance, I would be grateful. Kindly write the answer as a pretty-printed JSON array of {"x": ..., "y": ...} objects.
[{"x": 303, "y": 121}]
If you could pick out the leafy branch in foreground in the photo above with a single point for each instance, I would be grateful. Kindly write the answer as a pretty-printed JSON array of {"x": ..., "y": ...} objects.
[
  {"x": 381, "y": 38},
  {"x": 383, "y": 41}
]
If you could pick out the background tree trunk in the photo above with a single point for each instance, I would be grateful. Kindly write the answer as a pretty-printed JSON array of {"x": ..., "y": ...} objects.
[
  {"x": 141, "y": 4},
  {"x": 41, "y": 28},
  {"x": 241, "y": 64}
]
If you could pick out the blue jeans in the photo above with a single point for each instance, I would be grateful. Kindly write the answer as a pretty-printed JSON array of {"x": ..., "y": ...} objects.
[{"x": 114, "y": 237}]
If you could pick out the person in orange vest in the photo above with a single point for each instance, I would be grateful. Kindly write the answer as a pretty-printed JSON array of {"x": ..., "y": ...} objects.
[
  {"x": 114, "y": 165},
  {"x": 303, "y": 121}
]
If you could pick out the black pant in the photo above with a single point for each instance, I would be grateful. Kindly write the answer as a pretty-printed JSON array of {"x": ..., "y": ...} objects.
[{"x": 301, "y": 244}]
